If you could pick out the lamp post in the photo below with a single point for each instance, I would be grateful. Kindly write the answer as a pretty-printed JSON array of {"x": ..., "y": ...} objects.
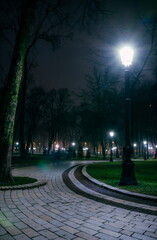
[
  {"x": 73, "y": 149},
  {"x": 111, "y": 152},
  {"x": 145, "y": 150},
  {"x": 135, "y": 145},
  {"x": 128, "y": 174}
]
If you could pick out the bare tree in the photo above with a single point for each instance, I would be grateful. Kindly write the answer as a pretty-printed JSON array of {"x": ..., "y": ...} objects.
[
  {"x": 49, "y": 16},
  {"x": 12, "y": 90}
]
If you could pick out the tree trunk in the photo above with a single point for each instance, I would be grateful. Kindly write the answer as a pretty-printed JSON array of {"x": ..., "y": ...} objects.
[
  {"x": 22, "y": 112},
  {"x": 29, "y": 140},
  {"x": 103, "y": 149},
  {"x": 12, "y": 90},
  {"x": 49, "y": 146}
]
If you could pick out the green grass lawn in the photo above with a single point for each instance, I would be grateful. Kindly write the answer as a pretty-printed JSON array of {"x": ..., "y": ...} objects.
[
  {"x": 109, "y": 173},
  {"x": 20, "y": 181}
]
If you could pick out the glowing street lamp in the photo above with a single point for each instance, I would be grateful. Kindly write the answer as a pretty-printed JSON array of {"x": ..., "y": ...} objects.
[
  {"x": 145, "y": 150},
  {"x": 128, "y": 175},
  {"x": 135, "y": 145},
  {"x": 111, "y": 134},
  {"x": 16, "y": 146},
  {"x": 111, "y": 155},
  {"x": 126, "y": 54}
]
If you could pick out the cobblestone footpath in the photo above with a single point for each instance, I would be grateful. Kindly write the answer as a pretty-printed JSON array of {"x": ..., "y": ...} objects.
[{"x": 53, "y": 211}]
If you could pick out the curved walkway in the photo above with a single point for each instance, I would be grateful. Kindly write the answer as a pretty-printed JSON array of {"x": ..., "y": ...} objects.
[
  {"x": 80, "y": 182},
  {"x": 53, "y": 211}
]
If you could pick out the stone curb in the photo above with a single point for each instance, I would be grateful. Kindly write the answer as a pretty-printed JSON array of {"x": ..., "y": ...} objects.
[
  {"x": 39, "y": 183},
  {"x": 148, "y": 197},
  {"x": 126, "y": 203}
]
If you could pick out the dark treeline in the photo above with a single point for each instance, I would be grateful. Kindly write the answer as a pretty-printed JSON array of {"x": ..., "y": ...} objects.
[{"x": 60, "y": 117}]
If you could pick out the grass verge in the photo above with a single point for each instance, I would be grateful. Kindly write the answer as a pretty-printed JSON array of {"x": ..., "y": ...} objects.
[
  {"x": 20, "y": 181},
  {"x": 110, "y": 173}
]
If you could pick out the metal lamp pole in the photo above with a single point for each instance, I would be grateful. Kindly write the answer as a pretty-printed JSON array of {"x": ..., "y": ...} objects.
[
  {"x": 128, "y": 174},
  {"x": 111, "y": 151}
]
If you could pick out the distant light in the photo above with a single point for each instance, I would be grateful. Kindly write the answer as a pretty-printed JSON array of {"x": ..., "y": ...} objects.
[
  {"x": 73, "y": 144},
  {"x": 114, "y": 148},
  {"x": 111, "y": 134},
  {"x": 134, "y": 144},
  {"x": 156, "y": 146},
  {"x": 57, "y": 145},
  {"x": 17, "y": 143},
  {"x": 126, "y": 54},
  {"x": 85, "y": 148},
  {"x": 144, "y": 142}
]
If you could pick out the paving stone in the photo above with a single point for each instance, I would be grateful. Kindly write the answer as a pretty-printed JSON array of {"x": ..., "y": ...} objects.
[
  {"x": 21, "y": 237},
  {"x": 20, "y": 225},
  {"x": 77, "y": 238},
  {"x": 110, "y": 233},
  {"x": 6, "y": 224},
  {"x": 86, "y": 236},
  {"x": 128, "y": 233},
  {"x": 71, "y": 224},
  {"x": 87, "y": 230},
  {"x": 13, "y": 219},
  {"x": 39, "y": 238},
  {"x": 6, "y": 237},
  {"x": 111, "y": 227},
  {"x": 46, "y": 217},
  {"x": 2, "y": 231},
  {"x": 59, "y": 238},
  {"x": 142, "y": 237},
  {"x": 48, "y": 234},
  {"x": 105, "y": 237},
  {"x": 30, "y": 232},
  {"x": 91, "y": 221},
  {"x": 150, "y": 234},
  {"x": 125, "y": 237},
  {"x": 92, "y": 226},
  {"x": 65, "y": 235},
  {"x": 69, "y": 229},
  {"x": 152, "y": 228},
  {"x": 13, "y": 230}
]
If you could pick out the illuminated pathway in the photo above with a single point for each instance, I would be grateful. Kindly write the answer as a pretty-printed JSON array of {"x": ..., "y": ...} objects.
[{"x": 56, "y": 212}]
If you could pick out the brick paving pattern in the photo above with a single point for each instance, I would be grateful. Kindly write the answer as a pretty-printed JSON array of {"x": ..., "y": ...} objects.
[{"x": 53, "y": 211}]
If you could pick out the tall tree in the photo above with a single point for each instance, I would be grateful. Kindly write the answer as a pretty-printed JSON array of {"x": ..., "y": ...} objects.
[
  {"x": 80, "y": 14},
  {"x": 12, "y": 90}
]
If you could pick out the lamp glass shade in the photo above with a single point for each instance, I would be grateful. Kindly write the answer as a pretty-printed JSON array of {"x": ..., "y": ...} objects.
[
  {"x": 111, "y": 134},
  {"x": 126, "y": 54}
]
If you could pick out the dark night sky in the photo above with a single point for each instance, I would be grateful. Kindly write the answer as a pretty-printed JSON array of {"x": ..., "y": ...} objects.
[
  {"x": 64, "y": 67},
  {"x": 67, "y": 66}
]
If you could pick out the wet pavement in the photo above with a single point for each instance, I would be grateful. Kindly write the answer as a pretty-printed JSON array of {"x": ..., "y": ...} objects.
[{"x": 56, "y": 211}]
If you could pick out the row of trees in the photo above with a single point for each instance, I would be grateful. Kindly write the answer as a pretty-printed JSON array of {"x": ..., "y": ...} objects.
[{"x": 88, "y": 116}]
